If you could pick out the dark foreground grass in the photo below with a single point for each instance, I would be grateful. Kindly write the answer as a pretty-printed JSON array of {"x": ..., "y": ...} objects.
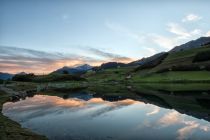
[
  {"x": 10, "y": 130},
  {"x": 174, "y": 77},
  {"x": 175, "y": 86}
]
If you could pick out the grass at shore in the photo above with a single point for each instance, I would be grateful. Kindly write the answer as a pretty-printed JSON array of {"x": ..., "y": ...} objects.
[
  {"x": 109, "y": 75},
  {"x": 10, "y": 130}
]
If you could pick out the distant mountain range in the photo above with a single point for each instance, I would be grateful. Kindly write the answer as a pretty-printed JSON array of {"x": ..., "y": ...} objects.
[
  {"x": 142, "y": 63},
  {"x": 74, "y": 70},
  {"x": 5, "y": 76}
]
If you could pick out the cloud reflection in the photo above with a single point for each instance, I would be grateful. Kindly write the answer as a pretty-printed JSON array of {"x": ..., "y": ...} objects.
[
  {"x": 45, "y": 102},
  {"x": 170, "y": 119},
  {"x": 189, "y": 126},
  {"x": 135, "y": 116},
  {"x": 154, "y": 111},
  {"x": 187, "y": 130}
]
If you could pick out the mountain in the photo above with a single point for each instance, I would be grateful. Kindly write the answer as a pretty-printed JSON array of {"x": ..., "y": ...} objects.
[
  {"x": 145, "y": 62},
  {"x": 192, "y": 44},
  {"x": 5, "y": 76},
  {"x": 84, "y": 67},
  {"x": 74, "y": 70},
  {"x": 21, "y": 73},
  {"x": 109, "y": 65},
  {"x": 150, "y": 59},
  {"x": 157, "y": 59},
  {"x": 187, "y": 62}
]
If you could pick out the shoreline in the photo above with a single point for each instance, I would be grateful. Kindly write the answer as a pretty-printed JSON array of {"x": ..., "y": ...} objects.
[{"x": 10, "y": 129}]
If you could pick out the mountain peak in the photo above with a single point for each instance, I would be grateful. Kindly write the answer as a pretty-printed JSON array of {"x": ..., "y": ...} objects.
[
  {"x": 84, "y": 67},
  {"x": 192, "y": 44},
  {"x": 22, "y": 73},
  {"x": 73, "y": 70}
]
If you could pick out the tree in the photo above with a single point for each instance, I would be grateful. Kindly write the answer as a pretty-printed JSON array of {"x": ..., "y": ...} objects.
[{"x": 65, "y": 72}]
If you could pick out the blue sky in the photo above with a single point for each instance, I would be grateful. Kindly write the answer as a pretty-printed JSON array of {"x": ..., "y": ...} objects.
[{"x": 73, "y": 32}]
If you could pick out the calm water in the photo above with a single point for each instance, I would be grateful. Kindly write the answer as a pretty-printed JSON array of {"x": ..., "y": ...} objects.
[{"x": 81, "y": 116}]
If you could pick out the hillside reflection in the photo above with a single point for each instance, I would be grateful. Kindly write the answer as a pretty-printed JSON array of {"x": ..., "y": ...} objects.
[{"x": 127, "y": 114}]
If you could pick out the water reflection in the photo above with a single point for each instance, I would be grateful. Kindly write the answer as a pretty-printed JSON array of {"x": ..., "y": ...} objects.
[{"x": 104, "y": 117}]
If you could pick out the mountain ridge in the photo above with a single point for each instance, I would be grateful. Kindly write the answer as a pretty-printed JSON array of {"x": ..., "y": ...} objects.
[
  {"x": 6, "y": 76},
  {"x": 73, "y": 70}
]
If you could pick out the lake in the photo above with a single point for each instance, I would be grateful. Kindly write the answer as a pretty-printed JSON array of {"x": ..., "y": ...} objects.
[{"x": 128, "y": 115}]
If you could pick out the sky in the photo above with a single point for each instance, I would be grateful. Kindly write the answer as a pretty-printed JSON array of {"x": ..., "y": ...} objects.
[{"x": 40, "y": 36}]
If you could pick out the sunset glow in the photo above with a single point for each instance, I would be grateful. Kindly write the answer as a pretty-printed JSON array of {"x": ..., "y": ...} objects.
[{"x": 40, "y": 37}]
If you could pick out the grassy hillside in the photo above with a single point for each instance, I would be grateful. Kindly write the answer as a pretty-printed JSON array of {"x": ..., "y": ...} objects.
[
  {"x": 183, "y": 58},
  {"x": 109, "y": 75},
  {"x": 174, "y": 76},
  {"x": 176, "y": 67}
]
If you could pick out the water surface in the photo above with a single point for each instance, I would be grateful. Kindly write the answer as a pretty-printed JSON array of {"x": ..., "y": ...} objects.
[{"x": 88, "y": 117}]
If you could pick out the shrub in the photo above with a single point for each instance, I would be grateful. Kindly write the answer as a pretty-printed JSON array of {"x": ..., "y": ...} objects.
[
  {"x": 24, "y": 77},
  {"x": 202, "y": 56},
  {"x": 185, "y": 68},
  {"x": 182, "y": 68},
  {"x": 163, "y": 70},
  {"x": 57, "y": 77},
  {"x": 65, "y": 72}
]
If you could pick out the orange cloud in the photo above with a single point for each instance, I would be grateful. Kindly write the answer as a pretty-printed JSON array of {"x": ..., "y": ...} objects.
[{"x": 15, "y": 60}]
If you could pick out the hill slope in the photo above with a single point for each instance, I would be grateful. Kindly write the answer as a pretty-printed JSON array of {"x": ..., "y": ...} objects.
[
  {"x": 191, "y": 65},
  {"x": 189, "y": 62}
]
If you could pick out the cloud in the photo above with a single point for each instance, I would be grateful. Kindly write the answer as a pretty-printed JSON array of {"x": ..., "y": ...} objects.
[
  {"x": 122, "y": 30},
  {"x": 191, "y": 17},
  {"x": 141, "y": 39},
  {"x": 152, "y": 51},
  {"x": 109, "y": 56},
  {"x": 180, "y": 34},
  {"x": 165, "y": 42},
  {"x": 196, "y": 32},
  {"x": 14, "y": 59},
  {"x": 208, "y": 33},
  {"x": 178, "y": 30}
]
